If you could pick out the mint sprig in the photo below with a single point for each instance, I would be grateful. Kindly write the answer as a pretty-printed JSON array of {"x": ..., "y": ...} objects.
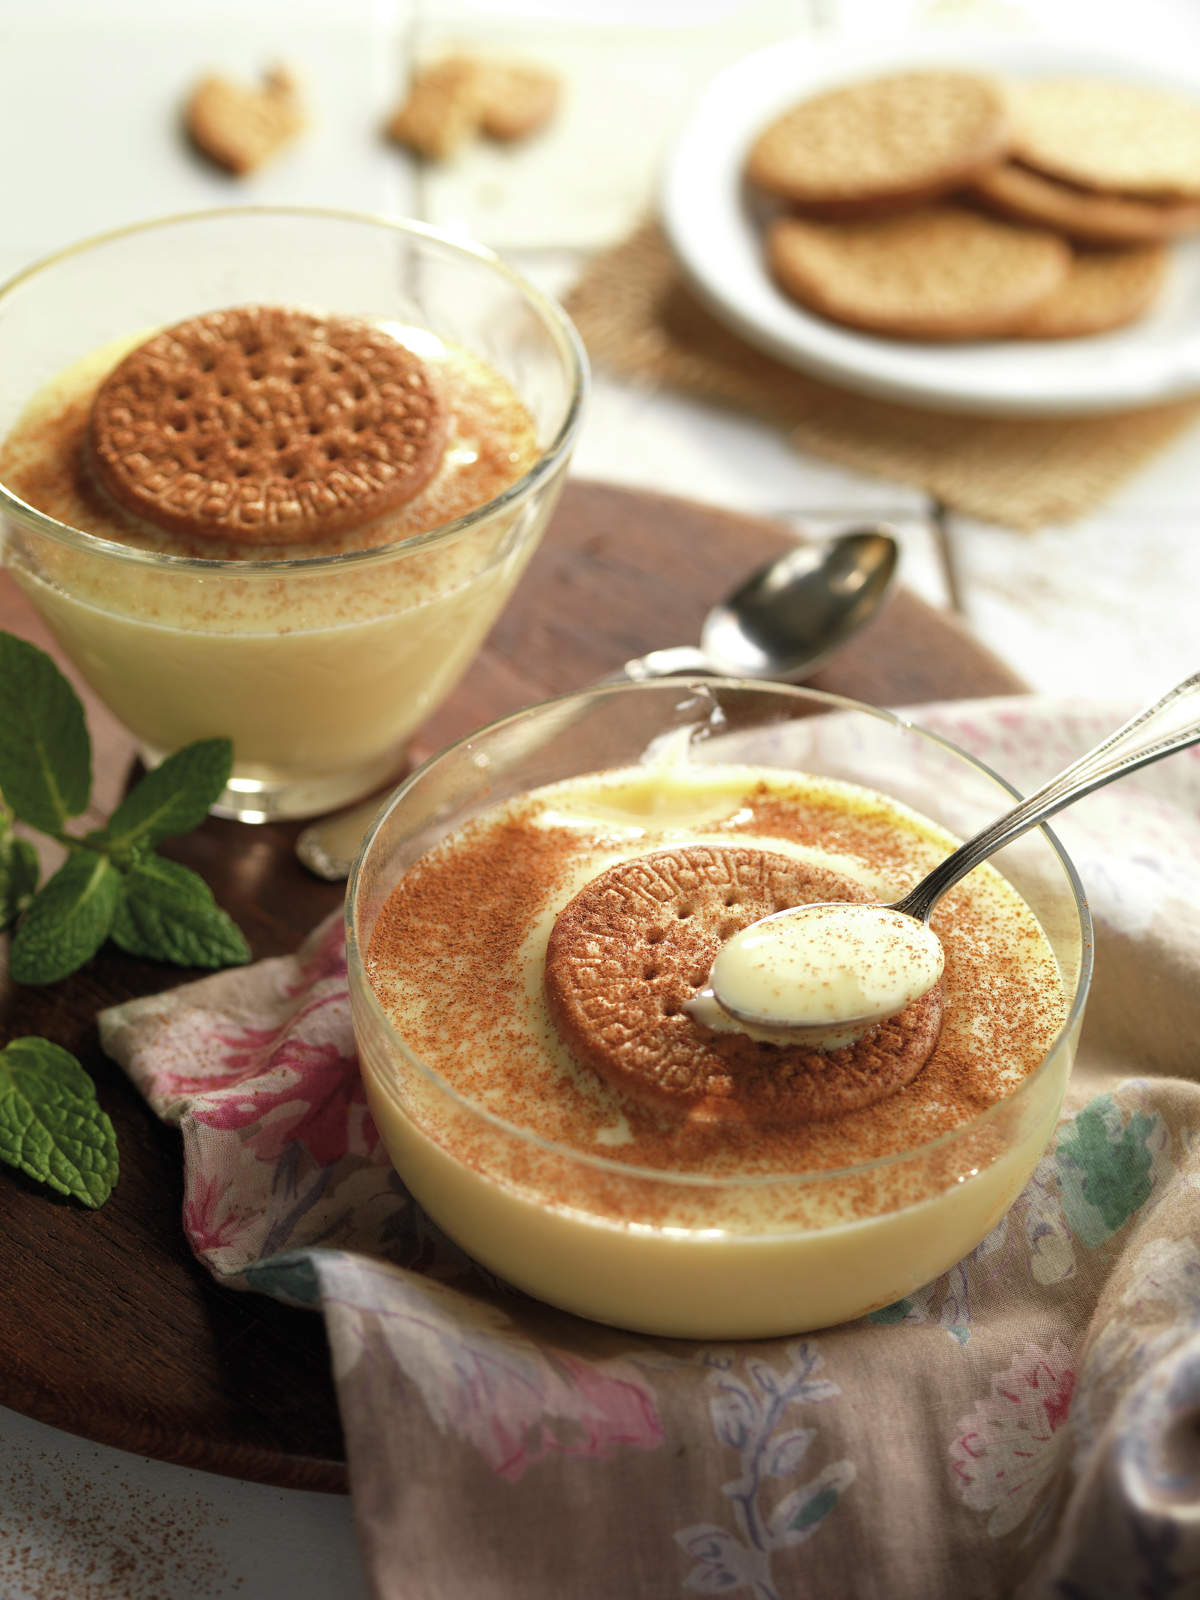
[
  {"x": 45, "y": 752},
  {"x": 166, "y": 910},
  {"x": 19, "y": 871},
  {"x": 67, "y": 920},
  {"x": 51, "y": 1123},
  {"x": 111, "y": 885},
  {"x": 173, "y": 798}
]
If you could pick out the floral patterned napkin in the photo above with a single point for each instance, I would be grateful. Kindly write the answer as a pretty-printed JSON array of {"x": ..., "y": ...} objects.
[{"x": 1026, "y": 1425}]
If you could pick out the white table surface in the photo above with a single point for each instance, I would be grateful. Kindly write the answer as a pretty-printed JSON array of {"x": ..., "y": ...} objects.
[{"x": 89, "y": 95}]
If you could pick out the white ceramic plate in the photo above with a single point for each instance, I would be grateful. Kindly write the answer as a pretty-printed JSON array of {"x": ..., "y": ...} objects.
[{"x": 710, "y": 224}]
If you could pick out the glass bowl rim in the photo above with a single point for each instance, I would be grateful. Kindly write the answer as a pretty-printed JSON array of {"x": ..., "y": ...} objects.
[
  {"x": 552, "y": 316},
  {"x": 607, "y": 1164}
]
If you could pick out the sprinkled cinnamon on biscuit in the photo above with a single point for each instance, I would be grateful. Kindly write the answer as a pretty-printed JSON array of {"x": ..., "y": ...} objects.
[
  {"x": 267, "y": 426},
  {"x": 636, "y": 944}
]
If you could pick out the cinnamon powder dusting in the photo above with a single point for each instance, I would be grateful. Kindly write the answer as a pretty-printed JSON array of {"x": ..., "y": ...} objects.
[{"x": 456, "y": 961}]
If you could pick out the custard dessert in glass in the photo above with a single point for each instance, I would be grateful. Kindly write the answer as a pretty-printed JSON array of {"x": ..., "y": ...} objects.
[
  {"x": 272, "y": 474},
  {"x": 530, "y": 924}
]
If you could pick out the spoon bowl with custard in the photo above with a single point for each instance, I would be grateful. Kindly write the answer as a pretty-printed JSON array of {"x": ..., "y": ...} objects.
[{"x": 826, "y": 972}]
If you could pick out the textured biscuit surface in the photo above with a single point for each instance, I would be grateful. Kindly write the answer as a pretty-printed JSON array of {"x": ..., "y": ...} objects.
[
  {"x": 941, "y": 272},
  {"x": 890, "y": 140},
  {"x": 1104, "y": 289},
  {"x": 267, "y": 426},
  {"x": 1106, "y": 135},
  {"x": 240, "y": 126},
  {"x": 518, "y": 99},
  {"x": 636, "y": 944},
  {"x": 441, "y": 111},
  {"x": 1088, "y": 216},
  {"x": 460, "y": 96}
]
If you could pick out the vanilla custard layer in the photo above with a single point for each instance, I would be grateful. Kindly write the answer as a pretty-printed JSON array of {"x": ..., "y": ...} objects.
[
  {"x": 590, "y": 1203},
  {"x": 456, "y": 962},
  {"x": 307, "y": 669}
]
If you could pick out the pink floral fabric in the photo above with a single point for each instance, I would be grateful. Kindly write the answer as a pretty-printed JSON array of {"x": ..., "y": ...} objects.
[{"x": 1026, "y": 1425}]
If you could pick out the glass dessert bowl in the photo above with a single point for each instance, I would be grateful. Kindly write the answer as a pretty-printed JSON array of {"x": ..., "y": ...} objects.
[
  {"x": 320, "y": 649},
  {"x": 703, "y": 1217}
]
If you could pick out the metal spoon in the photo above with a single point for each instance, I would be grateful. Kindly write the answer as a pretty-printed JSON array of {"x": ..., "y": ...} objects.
[
  {"x": 1135, "y": 744},
  {"x": 780, "y": 623},
  {"x": 786, "y": 618}
]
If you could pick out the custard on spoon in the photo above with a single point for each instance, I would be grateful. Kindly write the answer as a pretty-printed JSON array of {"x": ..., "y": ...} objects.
[{"x": 823, "y": 974}]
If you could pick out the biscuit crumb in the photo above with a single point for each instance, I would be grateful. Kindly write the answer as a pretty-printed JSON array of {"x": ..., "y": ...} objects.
[
  {"x": 519, "y": 99},
  {"x": 240, "y": 128},
  {"x": 462, "y": 96},
  {"x": 442, "y": 111}
]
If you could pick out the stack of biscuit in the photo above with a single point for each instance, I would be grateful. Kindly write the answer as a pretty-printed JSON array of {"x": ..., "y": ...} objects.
[{"x": 943, "y": 205}]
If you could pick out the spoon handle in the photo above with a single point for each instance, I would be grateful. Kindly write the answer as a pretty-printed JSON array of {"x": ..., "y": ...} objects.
[{"x": 1135, "y": 744}]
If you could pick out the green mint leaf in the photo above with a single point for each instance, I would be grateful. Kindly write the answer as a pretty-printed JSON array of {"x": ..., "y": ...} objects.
[
  {"x": 167, "y": 912},
  {"x": 67, "y": 920},
  {"x": 51, "y": 1124},
  {"x": 19, "y": 872},
  {"x": 172, "y": 799},
  {"x": 45, "y": 751}
]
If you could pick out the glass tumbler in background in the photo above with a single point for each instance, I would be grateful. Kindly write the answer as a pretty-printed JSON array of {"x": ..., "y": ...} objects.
[{"x": 319, "y": 667}]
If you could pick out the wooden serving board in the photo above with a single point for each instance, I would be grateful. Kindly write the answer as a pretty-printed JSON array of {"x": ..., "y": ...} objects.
[{"x": 110, "y": 1328}]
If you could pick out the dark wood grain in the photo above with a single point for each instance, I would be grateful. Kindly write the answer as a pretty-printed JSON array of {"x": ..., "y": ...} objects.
[{"x": 109, "y": 1327}]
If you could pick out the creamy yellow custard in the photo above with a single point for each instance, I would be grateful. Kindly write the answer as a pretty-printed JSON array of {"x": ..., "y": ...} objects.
[
  {"x": 317, "y": 660},
  {"x": 633, "y": 1215}
]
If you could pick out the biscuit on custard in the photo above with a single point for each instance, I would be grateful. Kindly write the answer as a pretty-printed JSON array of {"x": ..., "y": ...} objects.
[
  {"x": 938, "y": 273},
  {"x": 636, "y": 944},
  {"x": 264, "y": 425},
  {"x": 881, "y": 143}
]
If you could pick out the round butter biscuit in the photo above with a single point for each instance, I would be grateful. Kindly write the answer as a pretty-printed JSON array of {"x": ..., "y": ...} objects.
[
  {"x": 1100, "y": 134},
  {"x": 267, "y": 426},
  {"x": 941, "y": 273},
  {"x": 637, "y": 943},
  {"x": 1104, "y": 289},
  {"x": 882, "y": 143},
  {"x": 1084, "y": 215}
]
